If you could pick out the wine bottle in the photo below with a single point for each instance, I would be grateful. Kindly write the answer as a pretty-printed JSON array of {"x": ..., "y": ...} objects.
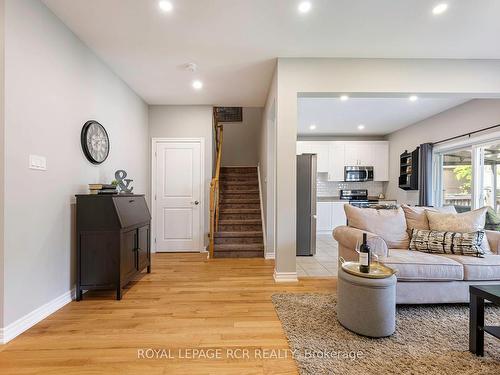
[{"x": 364, "y": 256}]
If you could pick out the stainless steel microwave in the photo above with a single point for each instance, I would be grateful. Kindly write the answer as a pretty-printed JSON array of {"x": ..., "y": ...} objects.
[{"x": 358, "y": 174}]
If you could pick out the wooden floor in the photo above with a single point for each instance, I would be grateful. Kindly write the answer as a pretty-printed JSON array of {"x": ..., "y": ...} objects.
[{"x": 187, "y": 302}]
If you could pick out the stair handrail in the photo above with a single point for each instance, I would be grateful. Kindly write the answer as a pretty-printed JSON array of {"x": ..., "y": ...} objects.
[{"x": 215, "y": 187}]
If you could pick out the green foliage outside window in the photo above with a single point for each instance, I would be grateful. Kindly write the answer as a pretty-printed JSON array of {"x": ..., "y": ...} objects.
[{"x": 463, "y": 173}]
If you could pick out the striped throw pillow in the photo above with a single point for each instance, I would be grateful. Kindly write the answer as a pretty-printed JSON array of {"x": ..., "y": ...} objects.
[{"x": 431, "y": 241}]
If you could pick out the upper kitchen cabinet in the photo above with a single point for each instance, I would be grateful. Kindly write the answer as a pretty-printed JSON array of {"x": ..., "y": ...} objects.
[
  {"x": 336, "y": 164},
  {"x": 380, "y": 152},
  {"x": 322, "y": 149},
  {"x": 368, "y": 153},
  {"x": 358, "y": 153},
  {"x": 333, "y": 156}
]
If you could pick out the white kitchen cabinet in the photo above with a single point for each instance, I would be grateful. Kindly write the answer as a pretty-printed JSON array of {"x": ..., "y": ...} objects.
[
  {"x": 324, "y": 214},
  {"x": 358, "y": 153},
  {"x": 338, "y": 214},
  {"x": 300, "y": 148},
  {"x": 333, "y": 156},
  {"x": 380, "y": 159},
  {"x": 330, "y": 215},
  {"x": 336, "y": 164},
  {"x": 322, "y": 149}
]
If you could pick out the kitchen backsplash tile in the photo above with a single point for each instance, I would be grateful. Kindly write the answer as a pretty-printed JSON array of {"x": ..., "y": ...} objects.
[{"x": 327, "y": 188}]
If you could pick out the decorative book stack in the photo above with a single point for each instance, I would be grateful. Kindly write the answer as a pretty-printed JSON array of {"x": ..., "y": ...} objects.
[{"x": 102, "y": 189}]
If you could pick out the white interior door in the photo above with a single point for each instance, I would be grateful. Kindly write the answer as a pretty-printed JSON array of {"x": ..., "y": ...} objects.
[{"x": 179, "y": 194}]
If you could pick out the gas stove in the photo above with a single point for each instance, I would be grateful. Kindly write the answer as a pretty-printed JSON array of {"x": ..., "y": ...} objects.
[
  {"x": 354, "y": 195},
  {"x": 359, "y": 198}
]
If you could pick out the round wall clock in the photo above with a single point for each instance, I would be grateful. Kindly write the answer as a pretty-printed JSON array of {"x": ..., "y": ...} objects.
[{"x": 95, "y": 142}]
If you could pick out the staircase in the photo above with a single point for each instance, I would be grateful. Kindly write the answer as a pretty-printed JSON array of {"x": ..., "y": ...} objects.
[{"x": 239, "y": 233}]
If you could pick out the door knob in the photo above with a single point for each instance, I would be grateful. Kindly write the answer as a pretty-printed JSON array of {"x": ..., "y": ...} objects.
[{"x": 196, "y": 203}]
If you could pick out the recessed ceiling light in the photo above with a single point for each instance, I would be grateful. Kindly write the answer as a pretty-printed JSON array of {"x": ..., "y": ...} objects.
[
  {"x": 305, "y": 6},
  {"x": 165, "y": 6},
  {"x": 344, "y": 98},
  {"x": 197, "y": 85},
  {"x": 440, "y": 8},
  {"x": 413, "y": 98},
  {"x": 361, "y": 127},
  {"x": 312, "y": 127}
]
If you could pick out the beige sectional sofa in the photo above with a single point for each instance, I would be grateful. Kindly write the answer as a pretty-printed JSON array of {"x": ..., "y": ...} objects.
[{"x": 422, "y": 277}]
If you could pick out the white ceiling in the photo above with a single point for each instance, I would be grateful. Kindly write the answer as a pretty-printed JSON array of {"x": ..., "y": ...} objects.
[
  {"x": 235, "y": 42},
  {"x": 380, "y": 116}
]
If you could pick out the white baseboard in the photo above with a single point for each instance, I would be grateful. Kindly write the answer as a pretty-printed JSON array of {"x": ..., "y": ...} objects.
[
  {"x": 270, "y": 255},
  {"x": 29, "y": 320},
  {"x": 285, "y": 277}
]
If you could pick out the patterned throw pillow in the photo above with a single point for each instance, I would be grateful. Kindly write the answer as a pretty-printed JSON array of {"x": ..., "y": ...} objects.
[{"x": 431, "y": 241}]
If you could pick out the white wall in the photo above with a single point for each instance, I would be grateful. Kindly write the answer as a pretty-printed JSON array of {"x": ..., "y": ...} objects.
[
  {"x": 473, "y": 115},
  {"x": 241, "y": 139},
  {"x": 186, "y": 122},
  {"x": 2, "y": 157},
  {"x": 395, "y": 76},
  {"x": 267, "y": 164},
  {"x": 53, "y": 84}
]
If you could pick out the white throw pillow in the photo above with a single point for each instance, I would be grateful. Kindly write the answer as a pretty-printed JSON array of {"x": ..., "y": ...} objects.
[
  {"x": 465, "y": 222},
  {"x": 388, "y": 224},
  {"x": 416, "y": 217}
]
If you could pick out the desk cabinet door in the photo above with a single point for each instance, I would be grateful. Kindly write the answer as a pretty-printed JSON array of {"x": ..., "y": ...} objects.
[
  {"x": 143, "y": 248},
  {"x": 128, "y": 265}
]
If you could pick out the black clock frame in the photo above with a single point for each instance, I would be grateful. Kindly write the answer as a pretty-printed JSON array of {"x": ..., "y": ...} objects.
[{"x": 83, "y": 140}]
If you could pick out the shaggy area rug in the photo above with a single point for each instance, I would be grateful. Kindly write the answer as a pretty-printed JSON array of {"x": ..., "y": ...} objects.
[{"x": 430, "y": 339}]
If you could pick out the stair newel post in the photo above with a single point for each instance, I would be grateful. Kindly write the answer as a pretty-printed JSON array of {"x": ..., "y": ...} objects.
[
  {"x": 215, "y": 190},
  {"x": 212, "y": 219}
]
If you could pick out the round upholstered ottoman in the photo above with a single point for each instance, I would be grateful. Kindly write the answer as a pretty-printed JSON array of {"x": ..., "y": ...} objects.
[{"x": 366, "y": 306}]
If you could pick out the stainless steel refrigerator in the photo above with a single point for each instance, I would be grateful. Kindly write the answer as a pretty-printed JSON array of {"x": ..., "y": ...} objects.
[{"x": 306, "y": 204}]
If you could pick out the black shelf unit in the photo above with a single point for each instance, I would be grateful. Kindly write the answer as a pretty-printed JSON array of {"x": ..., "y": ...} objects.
[{"x": 408, "y": 170}]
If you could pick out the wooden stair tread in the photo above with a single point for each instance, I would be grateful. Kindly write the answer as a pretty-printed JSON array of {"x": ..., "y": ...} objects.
[
  {"x": 248, "y": 175},
  {"x": 239, "y": 254},
  {"x": 229, "y": 191},
  {"x": 239, "y": 200},
  {"x": 239, "y": 247},
  {"x": 239, "y": 221},
  {"x": 237, "y": 234},
  {"x": 239, "y": 192},
  {"x": 238, "y": 168},
  {"x": 240, "y": 211},
  {"x": 229, "y": 182}
]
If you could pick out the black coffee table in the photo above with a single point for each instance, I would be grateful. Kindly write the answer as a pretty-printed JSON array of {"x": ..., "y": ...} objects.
[{"x": 478, "y": 294}]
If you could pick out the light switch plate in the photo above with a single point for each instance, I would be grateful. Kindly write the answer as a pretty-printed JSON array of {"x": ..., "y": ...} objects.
[{"x": 38, "y": 162}]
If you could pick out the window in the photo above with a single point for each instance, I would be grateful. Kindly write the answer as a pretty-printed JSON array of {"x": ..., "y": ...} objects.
[
  {"x": 457, "y": 179},
  {"x": 467, "y": 175},
  {"x": 490, "y": 176}
]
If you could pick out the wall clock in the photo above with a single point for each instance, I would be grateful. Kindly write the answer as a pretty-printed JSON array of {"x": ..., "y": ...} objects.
[{"x": 95, "y": 142}]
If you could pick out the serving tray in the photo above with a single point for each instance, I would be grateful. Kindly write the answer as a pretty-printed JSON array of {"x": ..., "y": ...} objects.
[{"x": 377, "y": 270}]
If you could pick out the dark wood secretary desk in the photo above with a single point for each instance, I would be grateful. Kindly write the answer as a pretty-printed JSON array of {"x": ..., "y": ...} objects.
[{"x": 113, "y": 234}]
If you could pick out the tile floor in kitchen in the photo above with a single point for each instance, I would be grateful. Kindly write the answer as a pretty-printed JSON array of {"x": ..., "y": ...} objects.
[{"x": 324, "y": 263}]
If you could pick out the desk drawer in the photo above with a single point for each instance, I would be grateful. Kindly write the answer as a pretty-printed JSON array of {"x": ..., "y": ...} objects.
[{"x": 131, "y": 210}]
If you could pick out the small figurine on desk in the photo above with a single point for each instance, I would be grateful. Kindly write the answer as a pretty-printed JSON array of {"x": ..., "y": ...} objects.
[{"x": 123, "y": 183}]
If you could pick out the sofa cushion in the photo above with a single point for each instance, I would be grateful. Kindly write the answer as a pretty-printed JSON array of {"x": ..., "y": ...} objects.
[
  {"x": 492, "y": 220},
  {"x": 417, "y": 266},
  {"x": 465, "y": 222},
  {"x": 432, "y": 241},
  {"x": 416, "y": 217},
  {"x": 388, "y": 224},
  {"x": 476, "y": 269}
]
